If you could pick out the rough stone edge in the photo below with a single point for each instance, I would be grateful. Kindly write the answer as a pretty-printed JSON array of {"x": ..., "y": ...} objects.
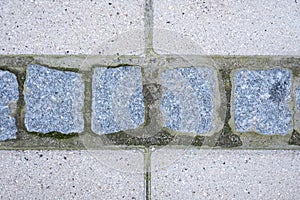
[{"x": 16, "y": 64}]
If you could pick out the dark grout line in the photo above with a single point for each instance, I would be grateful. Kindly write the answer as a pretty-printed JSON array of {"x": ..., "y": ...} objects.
[
  {"x": 148, "y": 52},
  {"x": 148, "y": 26},
  {"x": 147, "y": 173},
  {"x": 87, "y": 107}
]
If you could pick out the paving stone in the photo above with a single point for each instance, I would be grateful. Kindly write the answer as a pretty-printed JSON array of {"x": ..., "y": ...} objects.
[
  {"x": 54, "y": 100},
  {"x": 227, "y": 27},
  {"x": 188, "y": 103},
  {"x": 72, "y": 27},
  {"x": 297, "y": 94},
  {"x": 118, "y": 102},
  {"x": 225, "y": 174},
  {"x": 106, "y": 174},
  {"x": 9, "y": 95},
  {"x": 261, "y": 101}
]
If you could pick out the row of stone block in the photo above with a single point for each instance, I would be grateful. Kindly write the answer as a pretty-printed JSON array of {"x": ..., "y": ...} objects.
[{"x": 262, "y": 100}]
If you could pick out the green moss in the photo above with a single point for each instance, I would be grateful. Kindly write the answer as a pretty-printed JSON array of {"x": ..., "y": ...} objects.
[
  {"x": 54, "y": 134},
  {"x": 226, "y": 137},
  {"x": 122, "y": 138},
  {"x": 198, "y": 140},
  {"x": 76, "y": 70},
  {"x": 152, "y": 93},
  {"x": 295, "y": 138},
  {"x": 16, "y": 62}
]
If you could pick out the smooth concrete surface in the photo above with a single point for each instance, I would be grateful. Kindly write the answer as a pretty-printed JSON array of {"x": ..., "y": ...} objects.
[
  {"x": 102, "y": 174},
  {"x": 225, "y": 174},
  {"x": 227, "y": 27},
  {"x": 71, "y": 27}
]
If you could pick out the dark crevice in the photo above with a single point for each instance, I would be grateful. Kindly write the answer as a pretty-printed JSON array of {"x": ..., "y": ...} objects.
[
  {"x": 227, "y": 138},
  {"x": 55, "y": 134},
  {"x": 295, "y": 138},
  {"x": 122, "y": 138}
]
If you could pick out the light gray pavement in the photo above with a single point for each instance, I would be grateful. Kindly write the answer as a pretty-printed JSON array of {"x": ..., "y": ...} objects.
[
  {"x": 102, "y": 174},
  {"x": 225, "y": 174},
  {"x": 227, "y": 27},
  {"x": 96, "y": 27},
  {"x": 71, "y": 27}
]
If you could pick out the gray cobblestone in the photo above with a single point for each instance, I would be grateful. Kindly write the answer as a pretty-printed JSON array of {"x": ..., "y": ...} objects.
[
  {"x": 297, "y": 94},
  {"x": 9, "y": 95},
  {"x": 54, "y": 100},
  {"x": 118, "y": 102},
  {"x": 261, "y": 99},
  {"x": 188, "y": 104}
]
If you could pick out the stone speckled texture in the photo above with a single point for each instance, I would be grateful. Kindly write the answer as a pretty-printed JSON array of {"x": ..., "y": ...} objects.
[
  {"x": 188, "y": 103},
  {"x": 54, "y": 100},
  {"x": 225, "y": 174},
  {"x": 297, "y": 94},
  {"x": 105, "y": 174},
  {"x": 9, "y": 95},
  {"x": 118, "y": 102},
  {"x": 72, "y": 27},
  {"x": 261, "y": 99},
  {"x": 227, "y": 27}
]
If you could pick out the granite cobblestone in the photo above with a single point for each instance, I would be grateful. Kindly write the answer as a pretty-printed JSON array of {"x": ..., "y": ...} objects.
[
  {"x": 262, "y": 100},
  {"x": 9, "y": 95}
]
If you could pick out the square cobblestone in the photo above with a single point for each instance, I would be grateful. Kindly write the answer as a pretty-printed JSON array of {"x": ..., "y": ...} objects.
[
  {"x": 9, "y": 95},
  {"x": 118, "y": 102},
  {"x": 297, "y": 94},
  {"x": 188, "y": 103},
  {"x": 54, "y": 100},
  {"x": 261, "y": 101}
]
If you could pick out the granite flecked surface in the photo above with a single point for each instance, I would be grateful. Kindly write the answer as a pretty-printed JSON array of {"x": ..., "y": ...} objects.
[
  {"x": 261, "y": 101},
  {"x": 118, "y": 102},
  {"x": 188, "y": 103},
  {"x": 54, "y": 100},
  {"x": 9, "y": 95}
]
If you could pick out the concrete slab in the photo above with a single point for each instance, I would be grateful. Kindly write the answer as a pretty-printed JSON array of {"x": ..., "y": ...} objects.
[
  {"x": 72, "y": 27},
  {"x": 225, "y": 174},
  {"x": 71, "y": 175},
  {"x": 227, "y": 27}
]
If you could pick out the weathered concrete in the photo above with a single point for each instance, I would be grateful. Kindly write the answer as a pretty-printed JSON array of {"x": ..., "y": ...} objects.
[
  {"x": 227, "y": 27},
  {"x": 225, "y": 174},
  {"x": 71, "y": 175},
  {"x": 75, "y": 27}
]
